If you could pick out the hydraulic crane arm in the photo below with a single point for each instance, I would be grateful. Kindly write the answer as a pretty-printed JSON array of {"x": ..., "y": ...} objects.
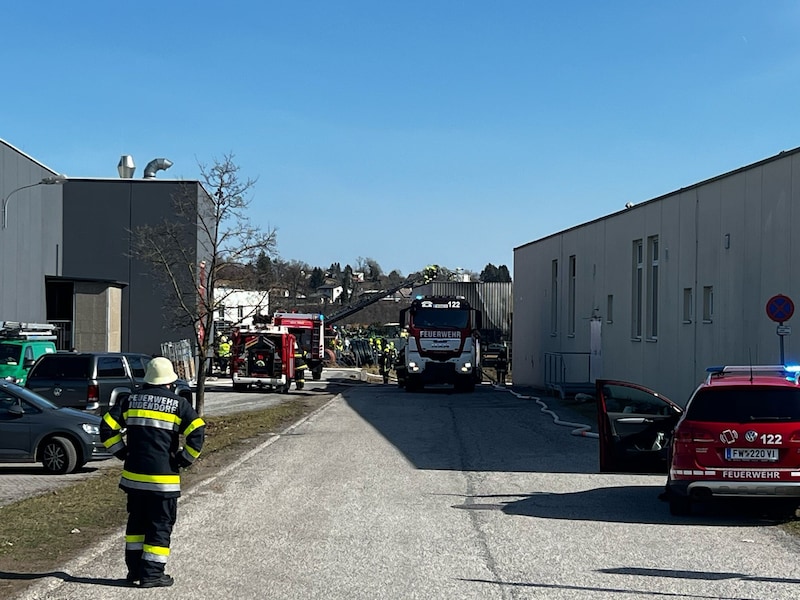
[{"x": 428, "y": 274}]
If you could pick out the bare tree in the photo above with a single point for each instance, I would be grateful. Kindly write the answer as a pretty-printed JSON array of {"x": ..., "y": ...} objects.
[{"x": 209, "y": 239}]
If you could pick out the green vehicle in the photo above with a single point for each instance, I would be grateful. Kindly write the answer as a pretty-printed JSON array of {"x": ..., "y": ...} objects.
[{"x": 20, "y": 345}]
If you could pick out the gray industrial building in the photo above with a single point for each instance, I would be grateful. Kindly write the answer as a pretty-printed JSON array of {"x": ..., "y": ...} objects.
[
  {"x": 662, "y": 289},
  {"x": 65, "y": 254}
]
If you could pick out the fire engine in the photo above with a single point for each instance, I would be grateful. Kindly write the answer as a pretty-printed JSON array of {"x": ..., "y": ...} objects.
[
  {"x": 443, "y": 344},
  {"x": 262, "y": 356},
  {"x": 309, "y": 330}
]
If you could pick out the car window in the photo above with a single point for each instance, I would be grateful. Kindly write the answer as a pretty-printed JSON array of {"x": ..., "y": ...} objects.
[
  {"x": 6, "y": 402},
  {"x": 28, "y": 352},
  {"x": 9, "y": 354},
  {"x": 110, "y": 366},
  {"x": 745, "y": 404},
  {"x": 624, "y": 399},
  {"x": 62, "y": 366},
  {"x": 137, "y": 365}
]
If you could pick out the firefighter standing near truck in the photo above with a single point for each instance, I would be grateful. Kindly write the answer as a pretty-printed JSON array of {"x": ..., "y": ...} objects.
[
  {"x": 224, "y": 353},
  {"x": 300, "y": 366},
  {"x": 153, "y": 419},
  {"x": 386, "y": 360}
]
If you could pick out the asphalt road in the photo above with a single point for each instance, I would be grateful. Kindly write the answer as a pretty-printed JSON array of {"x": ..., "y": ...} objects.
[
  {"x": 385, "y": 494},
  {"x": 25, "y": 480}
]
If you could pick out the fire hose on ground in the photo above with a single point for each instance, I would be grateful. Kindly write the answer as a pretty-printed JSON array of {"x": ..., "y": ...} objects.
[{"x": 581, "y": 429}]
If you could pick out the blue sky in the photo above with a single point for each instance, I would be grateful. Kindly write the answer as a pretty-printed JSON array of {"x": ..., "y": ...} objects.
[{"x": 410, "y": 132}]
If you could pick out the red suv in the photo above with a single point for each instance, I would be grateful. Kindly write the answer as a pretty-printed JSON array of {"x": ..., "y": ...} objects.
[{"x": 739, "y": 435}]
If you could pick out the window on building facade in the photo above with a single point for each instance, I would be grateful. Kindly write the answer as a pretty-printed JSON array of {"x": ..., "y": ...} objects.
[
  {"x": 637, "y": 289},
  {"x": 708, "y": 304},
  {"x": 610, "y": 308},
  {"x": 688, "y": 305},
  {"x": 554, "y": 297},
  {"x": 652, "y": 287},
  {"x": 571, "y": 306}
]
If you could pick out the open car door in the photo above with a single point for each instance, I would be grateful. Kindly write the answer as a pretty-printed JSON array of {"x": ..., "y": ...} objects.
[{"x": 635, "y": 427}]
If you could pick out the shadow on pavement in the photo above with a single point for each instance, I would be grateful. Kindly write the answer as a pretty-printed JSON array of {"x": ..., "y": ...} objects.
[
  {"x": 627, "y": 504},
  {"x": 487, "y": 430}
]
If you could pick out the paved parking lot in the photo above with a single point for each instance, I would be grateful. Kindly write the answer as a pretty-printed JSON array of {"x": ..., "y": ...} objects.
[{"x": 20, "y": 481}]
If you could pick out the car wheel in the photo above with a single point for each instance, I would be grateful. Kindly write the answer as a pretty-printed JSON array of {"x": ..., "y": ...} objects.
[
  {"x": 59, "y": 455},
  {"x": 680, "y": 506}
]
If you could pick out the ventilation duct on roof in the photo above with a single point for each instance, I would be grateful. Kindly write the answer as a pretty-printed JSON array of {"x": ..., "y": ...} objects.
[
  {"x": 125, "y": 168},
  {"x": 157, "y": 164}
]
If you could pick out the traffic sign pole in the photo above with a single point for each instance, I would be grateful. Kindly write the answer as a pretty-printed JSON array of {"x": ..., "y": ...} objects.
[{"x": 780, "y": 308}]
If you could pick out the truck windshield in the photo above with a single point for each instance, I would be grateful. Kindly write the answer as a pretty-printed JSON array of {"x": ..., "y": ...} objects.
[
  {"x": 9, "y": 354},
  {"x": 440, "y": 317}
]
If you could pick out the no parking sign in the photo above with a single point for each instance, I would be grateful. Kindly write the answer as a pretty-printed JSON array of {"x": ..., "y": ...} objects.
[{"x": 780, "y": 308}]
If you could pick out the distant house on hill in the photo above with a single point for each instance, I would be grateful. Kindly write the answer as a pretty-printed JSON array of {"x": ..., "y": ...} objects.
[
  {"x": 330, "y": 291},
  {"x": 240, "y": 306}
]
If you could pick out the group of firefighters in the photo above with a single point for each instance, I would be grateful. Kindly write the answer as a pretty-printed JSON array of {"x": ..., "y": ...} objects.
[{"x": 383, "y": 353}]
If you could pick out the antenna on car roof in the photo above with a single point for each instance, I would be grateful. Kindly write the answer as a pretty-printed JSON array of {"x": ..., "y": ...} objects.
[{"x": 750, "y": 360}]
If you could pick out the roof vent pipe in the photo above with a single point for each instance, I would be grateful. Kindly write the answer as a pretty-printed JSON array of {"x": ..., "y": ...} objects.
[
  {"x": 125, "y": 168},
  {"x": 157, "y": 164}
]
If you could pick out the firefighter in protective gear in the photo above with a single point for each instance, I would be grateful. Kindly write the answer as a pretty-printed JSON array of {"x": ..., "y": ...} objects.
[
  {"x": 153, "y": 420},
  {"x": 386, "y": 360},
  {"x": 430, "y": 273},
  {"x": 300, "y": 366},
  {"x": 224, "y": 353}
]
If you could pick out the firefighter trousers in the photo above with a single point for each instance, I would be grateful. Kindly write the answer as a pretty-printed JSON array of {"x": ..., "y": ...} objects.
[{"x": 151, "y": 518}]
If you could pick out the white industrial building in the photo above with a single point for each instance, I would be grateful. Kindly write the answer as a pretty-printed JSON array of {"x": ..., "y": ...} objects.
[{"x": 662, "y": 289}]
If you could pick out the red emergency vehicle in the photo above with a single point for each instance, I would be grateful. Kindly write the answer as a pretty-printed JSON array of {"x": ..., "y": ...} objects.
[
  {"x": 309, "y": 330},
  {"x": 262, "y": 356}
]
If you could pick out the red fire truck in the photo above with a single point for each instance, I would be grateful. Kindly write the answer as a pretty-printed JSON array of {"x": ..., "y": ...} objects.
[
  {"x": 262, "y": 356},
  {"x": 443, "y": 345},
  {"x": 309, "y": 329}
]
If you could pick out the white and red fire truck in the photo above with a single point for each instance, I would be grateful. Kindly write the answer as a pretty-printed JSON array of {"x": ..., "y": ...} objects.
[
  {"x": 309, "y": 329},
  {"x": 262, "y": 356},
  {"x": 443, "y": 344}
]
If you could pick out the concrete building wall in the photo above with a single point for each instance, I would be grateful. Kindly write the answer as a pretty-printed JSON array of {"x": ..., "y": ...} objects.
[{"x": 725, "y": 246}]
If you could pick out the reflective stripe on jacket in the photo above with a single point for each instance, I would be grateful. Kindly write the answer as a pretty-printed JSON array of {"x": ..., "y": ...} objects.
[{"x": 153, "y": 420}]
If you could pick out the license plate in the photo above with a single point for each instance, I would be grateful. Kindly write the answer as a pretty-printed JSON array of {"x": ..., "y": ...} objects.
[{"x": 764, "y": 454}]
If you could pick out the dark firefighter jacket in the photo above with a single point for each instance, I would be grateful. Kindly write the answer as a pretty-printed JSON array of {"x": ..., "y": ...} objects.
[{"x": 152, "y": 420}]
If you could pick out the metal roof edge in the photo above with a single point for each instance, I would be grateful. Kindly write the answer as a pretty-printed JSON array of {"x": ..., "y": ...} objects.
[{"x": 28, "y": 156}]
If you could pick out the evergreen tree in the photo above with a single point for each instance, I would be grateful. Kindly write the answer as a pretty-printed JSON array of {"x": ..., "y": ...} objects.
[{"x": 317, "y": 279}]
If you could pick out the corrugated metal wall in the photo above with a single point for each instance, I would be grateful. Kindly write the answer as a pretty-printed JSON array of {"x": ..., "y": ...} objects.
[{"x": 493, "y": 299}]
